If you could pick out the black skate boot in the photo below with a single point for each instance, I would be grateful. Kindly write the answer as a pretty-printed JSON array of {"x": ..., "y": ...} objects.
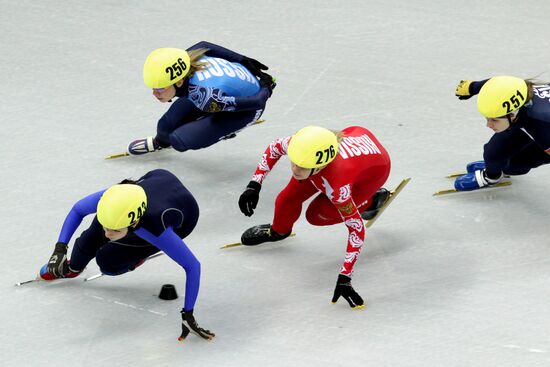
[
  {"x": 260, "y": 234},
  {"x": 378, "y": 199}
]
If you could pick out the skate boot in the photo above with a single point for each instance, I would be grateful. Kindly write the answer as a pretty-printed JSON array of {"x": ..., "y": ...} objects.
[
  {"x": 475, "y": 166},
  {"x": 67, "y": 273},
  {"x": 229, "y": 136},
  {"x": 378, "y": 199},
  {"x": 123, "y": 270},
  {"x": 475, "y": 180},
  {"x": 260, "y": 234},
  {"x": 138, "y": 264},
  {"x": 143, "y": 146}
]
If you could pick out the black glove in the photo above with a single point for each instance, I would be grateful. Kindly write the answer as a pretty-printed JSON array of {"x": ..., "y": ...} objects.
[
  {"x": 258, "y": 69},
  {"x": 188, "y": 324},
  {"x": 463, "y": 90},
  {"x": 57, "y": 265},
  {"x": 249, "y": 198},
  {"x": 267, "y": 81},
  {"x": 254, "y": 66},
  {"x": 344, "y": 289}
]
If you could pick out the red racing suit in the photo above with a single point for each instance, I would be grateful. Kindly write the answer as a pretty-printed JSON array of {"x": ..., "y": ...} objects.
[{"x": 346, "y": 184}]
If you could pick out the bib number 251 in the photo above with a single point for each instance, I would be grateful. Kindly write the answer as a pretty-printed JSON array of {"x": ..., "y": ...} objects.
[{"x": 514, "y": 101}]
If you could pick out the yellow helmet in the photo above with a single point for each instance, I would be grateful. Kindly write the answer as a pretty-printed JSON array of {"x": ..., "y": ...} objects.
[
  {"x": 313, "y": 147},
  {"x": 501, "y": 95},
  {"x": 121, "y": 206},
  {"x": 165, "y": 66}
]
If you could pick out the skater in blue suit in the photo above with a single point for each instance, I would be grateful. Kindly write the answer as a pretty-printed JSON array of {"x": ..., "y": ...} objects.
[
  {"x": 518, "y": 111},
  {"x": 220, "y": 92},
  {"x": 134, "y": 220}
]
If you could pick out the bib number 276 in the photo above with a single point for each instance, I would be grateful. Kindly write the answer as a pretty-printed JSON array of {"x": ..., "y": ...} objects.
[{"x": 323, "y": 156}]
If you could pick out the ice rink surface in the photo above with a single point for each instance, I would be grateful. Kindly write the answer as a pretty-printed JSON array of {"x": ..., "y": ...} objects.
[{"x": 458, "y": 280}]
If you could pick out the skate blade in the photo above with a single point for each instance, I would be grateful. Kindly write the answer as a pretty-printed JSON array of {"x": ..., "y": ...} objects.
[
  {"x": 393, "y": 195},
  {"x": 37, "y": 279},
  {"x": 119, "y": 155},
  {"x": 235, "y": 244},
  {"x": 99, "y": 275},
  {"x": 456, "y": 174},
  {"x": 126, "y": 154},
  {"x": 453, "y": 191}
]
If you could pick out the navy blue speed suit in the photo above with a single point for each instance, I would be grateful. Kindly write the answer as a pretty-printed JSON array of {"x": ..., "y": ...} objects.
[
  {"x": 171, "y": 215},
  {"x": 526, "y": 144},
  {"x": 214, "y": 103}
]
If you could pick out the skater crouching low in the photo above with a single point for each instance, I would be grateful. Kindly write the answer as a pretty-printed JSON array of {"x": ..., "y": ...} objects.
[
  {"x": 347, "y": 169},
  {"x": 135, "y": 219},
  {"x": 518, "y": 111}
]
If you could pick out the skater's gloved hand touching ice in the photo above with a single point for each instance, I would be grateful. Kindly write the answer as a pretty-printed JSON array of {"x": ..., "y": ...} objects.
[
  {"x": 189, "y": 324},
  {"x": 249, "y": 198},
  {"x": 344, "y": 289},
  {"x": 58, "y": 261}
]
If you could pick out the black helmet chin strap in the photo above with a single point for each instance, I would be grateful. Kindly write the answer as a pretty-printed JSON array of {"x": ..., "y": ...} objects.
[
  {"x": 178, "y": 88},
  {"x": 512, "y": 117},
  {"x": 313, "y": 171}
]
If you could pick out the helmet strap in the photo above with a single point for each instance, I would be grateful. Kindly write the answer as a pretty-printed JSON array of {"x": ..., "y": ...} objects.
[
  {"x": 133, "y": 227},
  {"x": 512, "y": 117},
  {"x": 313, "y": 172}
]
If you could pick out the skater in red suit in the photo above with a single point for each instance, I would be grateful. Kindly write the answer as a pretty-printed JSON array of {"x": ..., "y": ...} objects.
[{"x": 347, "y": 168}]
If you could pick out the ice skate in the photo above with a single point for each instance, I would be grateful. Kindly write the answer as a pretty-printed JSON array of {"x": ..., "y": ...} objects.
[
  {"x": 475, "y": 180},
  {"x": 143, "y": 146},
  {"x": 378, "y": 199},
  {"x": 475, "y": 166},
  {"x": 67, "y": 273},
  {"x": 260, "y": 234},
  {"x": 384, "y": 203},
  {"x": 470, "y": 167}
]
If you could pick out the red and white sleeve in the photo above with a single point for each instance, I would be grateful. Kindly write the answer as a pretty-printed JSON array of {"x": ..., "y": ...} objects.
[
  {"x": 274, "y": 151},
  {"x": 356, "y": 233}
]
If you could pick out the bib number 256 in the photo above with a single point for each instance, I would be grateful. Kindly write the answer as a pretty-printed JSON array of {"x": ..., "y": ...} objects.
[{"x": 176, "y": 69}]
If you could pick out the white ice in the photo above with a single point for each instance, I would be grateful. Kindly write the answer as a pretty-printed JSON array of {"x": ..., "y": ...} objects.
[{"x": 459, "y": 280}]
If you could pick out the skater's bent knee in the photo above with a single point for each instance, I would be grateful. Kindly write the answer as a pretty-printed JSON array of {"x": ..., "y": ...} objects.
[{"x": 178, "y": 143}]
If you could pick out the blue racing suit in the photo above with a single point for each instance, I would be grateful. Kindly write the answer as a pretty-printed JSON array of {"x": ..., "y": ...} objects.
[
  {"x": 214, "y": 103},
  {"x": 171, "y": 215}
]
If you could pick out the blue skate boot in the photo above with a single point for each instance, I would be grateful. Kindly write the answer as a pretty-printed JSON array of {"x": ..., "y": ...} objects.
[
  {"x": 475, "y": 180},
  {"x": 143, "y": 146},
  {"x": 475, "y": 166}
]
